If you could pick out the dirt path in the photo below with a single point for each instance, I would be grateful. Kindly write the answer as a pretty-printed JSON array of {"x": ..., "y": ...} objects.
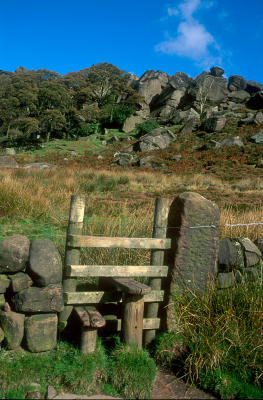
[{"x": 167, "y": 386}]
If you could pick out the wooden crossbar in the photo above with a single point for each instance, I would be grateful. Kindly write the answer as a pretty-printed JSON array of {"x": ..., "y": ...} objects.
[
  {"x": 71, "y": 298},
  {"x": 118, "y": 242},
  {"x": 121, "y": 271},
  {"x": 148, "y": 323}
]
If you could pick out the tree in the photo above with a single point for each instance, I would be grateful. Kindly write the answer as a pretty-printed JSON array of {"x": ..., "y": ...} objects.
[{"x": 52, "y": 122}]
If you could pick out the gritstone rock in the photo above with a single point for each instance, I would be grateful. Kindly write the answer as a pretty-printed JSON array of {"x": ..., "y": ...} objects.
[{"x": 14, "y": 253}]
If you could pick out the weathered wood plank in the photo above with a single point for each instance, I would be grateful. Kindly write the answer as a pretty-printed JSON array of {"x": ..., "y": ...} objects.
[
  {"x": 115, "y": 271},
  {"x": 130, "y": 286},
  {"x": 72, "y": 255},
  {"x": 132, "y": 320},
  {"x": 148, "y": 323},
  {"x": 118, "y": 242},
  {"x": 71, "y": 298},
  {"x": 88, "y": 340},
  {"x": 157, "y": 258},
  {"x": 82, "y": 316},
  {"x": 96, "y": 319}
]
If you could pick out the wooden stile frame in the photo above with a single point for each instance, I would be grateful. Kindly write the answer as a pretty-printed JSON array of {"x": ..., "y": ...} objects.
[{"x": 130, "y": 293}]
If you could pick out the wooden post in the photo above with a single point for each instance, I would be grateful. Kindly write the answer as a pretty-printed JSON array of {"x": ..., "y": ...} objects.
[
  {"x": 72, "y": 255},
  {"x": 132, "y": 319},
  {"x": 157, "y": 258},
  {"x": 88, "y": 340}
]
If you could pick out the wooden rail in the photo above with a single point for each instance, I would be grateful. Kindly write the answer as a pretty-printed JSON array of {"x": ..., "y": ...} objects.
[
  {"x": 123, "y": 271},
  {"x": 73, "y": 298}
]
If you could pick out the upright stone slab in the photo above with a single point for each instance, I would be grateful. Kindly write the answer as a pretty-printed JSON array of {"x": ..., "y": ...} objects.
[
  {"x": 41, "y": 332},
  {"x": 193, "y": 258},
  {"x": 13, "y": 327}
]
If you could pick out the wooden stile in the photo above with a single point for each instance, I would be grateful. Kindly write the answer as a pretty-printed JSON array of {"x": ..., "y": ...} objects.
[
  {"x": 123, "y": 271},
  {"x": 157, "y": 258}
]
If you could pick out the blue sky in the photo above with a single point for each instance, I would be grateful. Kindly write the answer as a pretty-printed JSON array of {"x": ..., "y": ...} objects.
[{"x": 180, "y": 35}]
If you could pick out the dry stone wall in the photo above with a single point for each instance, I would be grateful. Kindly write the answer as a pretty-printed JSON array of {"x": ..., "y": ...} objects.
[{"x": 30, "y": 293}]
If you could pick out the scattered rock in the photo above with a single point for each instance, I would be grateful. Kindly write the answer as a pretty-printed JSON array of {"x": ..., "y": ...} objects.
[
  {"x": 51, "y": 392},
  {"x": 8, "y": 162},
  {"x": 39, "y": 165},
  {"x": 45, "y": 265},
  {"x": 147, "y": 161},
  {"x": 20, "y": 281},
  {"x": 34, "y": 392},
  {"x": 257, "y": 138},
  {"x": 41, "y": 332},
  {"x": 259, "y": 118},
  {"x": 176, "y": 157},
  {"x": 14, "y": 253},
  {"x": 190, "y": 126},
  {"x": 214, "y": 124},
  {"x": 234, "y": 141},
  {"x": 159, "y": 138},
  {"x": 13, "y": 327},
  {"x": 34, "y": 299},
  {"x": 126, "y": 159},
  {"x": 10, "y": 151}
]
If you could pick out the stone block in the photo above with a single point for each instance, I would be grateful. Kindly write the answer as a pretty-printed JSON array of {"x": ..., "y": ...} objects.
[
  {"x": 225, "y": 280},
  {"x": 41, "y": 332},
  {"x": 4, "y": 283},
  {"x": 45, "y": 265},
  {"x": 252, "y": 253},
  {"x": 230, "y": 255},
  {"x": 13, "y": 327},
  {"x": 34, "y": 299},
  {"x": 14, "y": 253},
  {"x": 20, "y": 281}
]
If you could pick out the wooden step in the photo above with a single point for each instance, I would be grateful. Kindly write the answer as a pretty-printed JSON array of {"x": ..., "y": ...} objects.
[{"x": 115, "y": 271}]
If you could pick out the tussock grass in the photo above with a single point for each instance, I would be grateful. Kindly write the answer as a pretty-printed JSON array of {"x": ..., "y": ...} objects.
[{"x": 222, "y": 331}]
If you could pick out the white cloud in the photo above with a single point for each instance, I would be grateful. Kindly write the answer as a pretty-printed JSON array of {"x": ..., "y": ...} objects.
[{"x": 192, "y": 39}]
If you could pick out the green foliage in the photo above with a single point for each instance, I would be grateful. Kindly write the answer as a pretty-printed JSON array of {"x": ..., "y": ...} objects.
[
  {"x": 165, "y": 349},
  {"x": 103, "y": 183},
  {"x": 132, "y": 372},
  {"x": 146, "y": 126}
]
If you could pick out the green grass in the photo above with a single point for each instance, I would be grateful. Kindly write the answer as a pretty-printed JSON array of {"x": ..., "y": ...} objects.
[
  {"x": 124, "y": 371},
  {"x": 222, "y": 332}
]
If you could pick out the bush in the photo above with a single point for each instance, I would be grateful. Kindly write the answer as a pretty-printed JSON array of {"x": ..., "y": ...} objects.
[{"x": 146, "y": 126}]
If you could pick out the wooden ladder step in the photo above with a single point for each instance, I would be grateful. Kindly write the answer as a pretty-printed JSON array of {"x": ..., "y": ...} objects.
[
  {"x": 116, "y": 271},
  {"x": 89, "y": 319},
  {"x": 118, "y": 242},
  {"x": 131, "y": 286}
]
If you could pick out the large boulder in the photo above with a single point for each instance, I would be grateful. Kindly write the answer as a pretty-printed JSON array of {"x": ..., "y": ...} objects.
[
  {"x": 239, "y": 96},
  {"x": 216, "y": 71},
  {"x": 14, "y": 254},
  {"x": 164, "y": 105},
  {"x": 45, "y": 265},
  {"x": 236, "y": 82},
  {"x": 182, "y": 117},
  {"x": 13, "y": 327},
  {"x": 44, "y": 300},
  {"x": 130, "y": 123},
  {"x": 126, "y": 158},
  {"x": 256, "y": 101},
  {"x": 254, "y": 87},
  {"x": 151, "y": 84},
  {"x": 207, "y": 90},
  {"x": 159, "y": 138},
  {"x": 258, "y": 120},
  {"x": 8, "y": 162},
  {"x": 180, "y": 81},
  {"x": 41, "y": 332}
]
